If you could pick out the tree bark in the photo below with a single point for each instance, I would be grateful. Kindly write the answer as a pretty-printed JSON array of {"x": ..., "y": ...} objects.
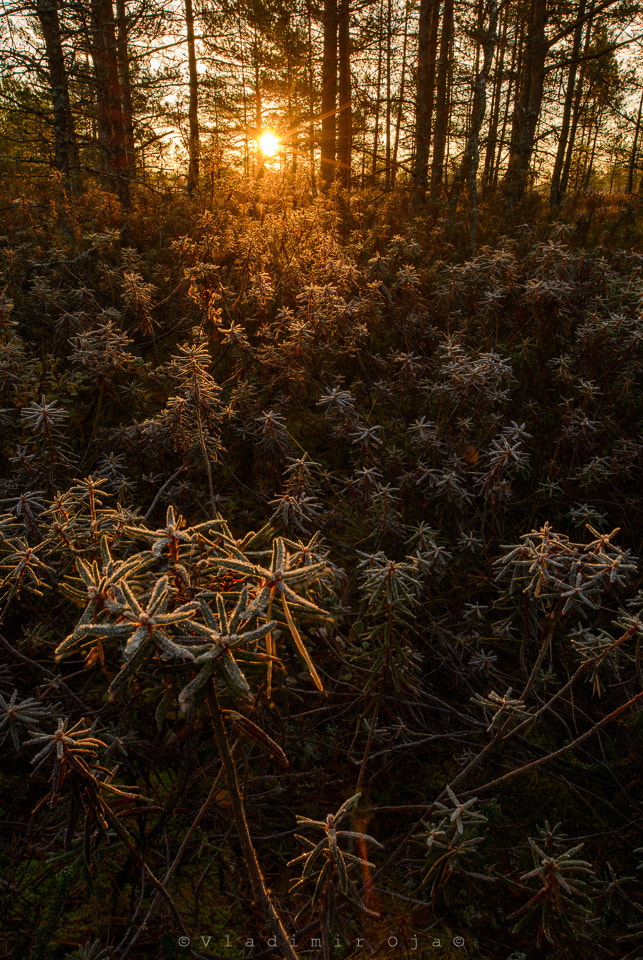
[
  {"x": 512, "y": 96},
  {"x": 468, "y": 170},
  {"x": 531, "y": 95},
  {"x": 635, "y": 149},
  {"x": 311, "y": 101},
  {"x": 590, "y": 165},
  {"x": 576, "y": 110},
  {"x": 244, "y": 100},
  {"x": 492, "y": 136},
  {"x": 527, "y": 113},
  {"x": 344, "y": 115},
  {"x": 260, "y": 171},
  {"x": 581, "y": 156},
  {"x": 427, "y": 51},
  {"x": 442, "y": 102},
  {"x": 111, "y": 129},
  {"x": 329, "y": 95},
  {"x": 293, "y": 130},
  {"x": 387, "y": 172},
  {"x": 193, "y": 109},
  {"x": 125, "y": 80},
  {"x": 65, "y": 146},
  {"x": 555, "y": 193},
  {"x": 471, "y": 158},
  {"x": 400, "y": 103},
  {"x": 378, "y": 93}
]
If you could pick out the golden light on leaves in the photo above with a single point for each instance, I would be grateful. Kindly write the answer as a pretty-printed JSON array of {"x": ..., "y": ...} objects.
[{"x": 269, "y": 143}]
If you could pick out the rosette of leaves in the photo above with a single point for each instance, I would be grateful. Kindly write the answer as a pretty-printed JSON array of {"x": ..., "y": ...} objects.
[
  {"x": 145, "y": 629},
  {"x": 223, "y": 632},
  {"x": 389, "y": 591},
  {"x": 20, "y": 716},
  {"x": 72, "y": 752},
  {"x": 23, "y": 569},
  {"x": 98, "y": 585},
  {"x": 451, "y": 843},
  {"x": 284, "y": 587},
  {"x": 551, "y": 566},
  {"x": 327, "y": 864},
  {"x": 67, "y": 746},
  {"x": 146, "y": 611},
  {"x": 560, "y": 904}
]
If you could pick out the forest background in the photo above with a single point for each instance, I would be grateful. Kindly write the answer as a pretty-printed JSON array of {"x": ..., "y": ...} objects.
[{"x": 321, "y": 430}]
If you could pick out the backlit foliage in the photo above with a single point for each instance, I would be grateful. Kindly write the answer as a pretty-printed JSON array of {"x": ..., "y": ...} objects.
[{"x": 304, "y": 514}]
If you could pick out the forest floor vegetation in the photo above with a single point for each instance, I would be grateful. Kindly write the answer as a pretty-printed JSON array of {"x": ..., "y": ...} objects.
[{"x": 320, "y": 605}]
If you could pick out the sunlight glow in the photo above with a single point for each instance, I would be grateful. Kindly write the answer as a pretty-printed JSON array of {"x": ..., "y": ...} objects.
[{"x": 269, "y": 143}]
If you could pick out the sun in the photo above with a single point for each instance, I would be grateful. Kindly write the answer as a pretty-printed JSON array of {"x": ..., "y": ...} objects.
[{"x": 268, "y": 143}]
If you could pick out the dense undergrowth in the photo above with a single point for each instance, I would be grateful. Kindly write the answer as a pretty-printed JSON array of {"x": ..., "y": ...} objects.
[{"x": 434, "y": 635}]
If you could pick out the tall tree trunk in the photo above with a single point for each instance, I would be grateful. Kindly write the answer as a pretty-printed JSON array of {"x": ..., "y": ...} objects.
[
  {"x": 590, "y": 165},
  {"x": 635, "y": 149},
  {"x": 527, "y": 112},
  {"x": 468, "y": 170},
  {"x": 555, "y": 194},
  {"x": 193, "y": 109},
  {"x": 378, "y": 93},
  {"x": 387, "y": 174},
  {"x": 576, "y": 110},
  {"x": 126, "y": 84},
  {"x": 344, "y": 117},
  {"x": 427, "y": 51},
  {"x": 476, "y": 68},
  {"x": 583, "y": 155},
  {"x": 111, "y": 129},
  {"x": 65, "y": 146},
  {"x": 329, "y": 95},
  {"x": 447, "y": 147},
  {"x": 442, "y": 102},
  {"x": 571, "y": 143},
  {"x": 311, "y": 102},
  {"x": 512, "y": 96},
  {"x": 244, "y": 101},
  {"x": 293, "y": 129},
  {"x": 260, "y": 171},
  {"x": 422, "y": 105},
  {"x": 492, "y": 136},
  {"x": 400, "y": 102}
]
